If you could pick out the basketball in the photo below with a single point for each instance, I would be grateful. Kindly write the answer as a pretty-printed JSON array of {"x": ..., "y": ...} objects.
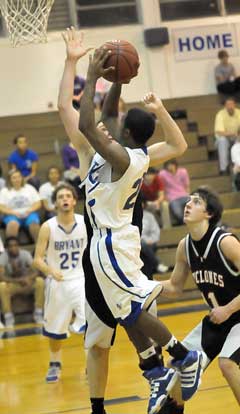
[{"x": 124, "y": 58}]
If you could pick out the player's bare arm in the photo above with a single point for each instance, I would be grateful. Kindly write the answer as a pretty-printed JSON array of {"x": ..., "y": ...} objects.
[
  {"x": 110, "y": 109},
  {"x": 40, "y": 251},
  {"x": 174, "y": 286},
  {"x": 175, "y": 144},
  {"x": 109, "y": 149},
  {"x": 69, "y": 116},
  {"x": 230, "y": 248}
]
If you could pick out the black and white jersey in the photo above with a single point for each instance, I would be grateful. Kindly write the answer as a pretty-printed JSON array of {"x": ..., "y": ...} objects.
[{"x": 215, "y": 276}]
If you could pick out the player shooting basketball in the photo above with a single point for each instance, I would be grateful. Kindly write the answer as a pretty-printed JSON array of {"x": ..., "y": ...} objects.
[{"x": 112, "y": 185}]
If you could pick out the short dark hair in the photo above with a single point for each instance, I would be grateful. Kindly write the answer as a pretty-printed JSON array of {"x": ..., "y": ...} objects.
[
  {"x": 64, "y": 186},
  {"x": 53, "y": 167},
  {"x": 10, "y": 239},
  {"x": 141, "y": 125},
  {"x": 213, "y": 204},
  {"x": 230, "y": 98},
  {"x": 172, "y": 161},
  {"x": 222, "y": 54},
  {"x": 152, "y": 170},
  {"x": 16, "y": 138}
]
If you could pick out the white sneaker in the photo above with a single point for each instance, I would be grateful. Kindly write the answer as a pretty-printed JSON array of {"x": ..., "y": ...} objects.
[
  {"x": 162, "y": 268},
  {"x": 1, "y": 325},
  {"x": 9, "y": 320}
]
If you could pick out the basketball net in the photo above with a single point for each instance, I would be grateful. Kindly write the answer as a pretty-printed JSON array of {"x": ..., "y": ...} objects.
[{"x": 26, "y": 20}]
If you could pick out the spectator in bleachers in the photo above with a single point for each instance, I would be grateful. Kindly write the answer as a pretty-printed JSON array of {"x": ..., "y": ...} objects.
[
  {"x": 235, "y": 158},
  {"x": 25, "y": 160},
  {"x": 46, "y": 190},
  {"x": 149, "y": 239},
  {"x": 153, "y": 192},
  {"x": 71, "y": 166},
  {"x": 227, "y": 124},
  {"x": 79, "y": 84},
  {"x": 17, "y": 277},
  {"x": 226, "y": 80},
  {"x": 176, "y": 188},
  {"x": 19, "y": 203}
]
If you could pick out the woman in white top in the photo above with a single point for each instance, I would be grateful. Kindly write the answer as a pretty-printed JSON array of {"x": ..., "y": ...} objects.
[
  {"x": 46, "y": 191},
  {"x": 19, "y": 203}
]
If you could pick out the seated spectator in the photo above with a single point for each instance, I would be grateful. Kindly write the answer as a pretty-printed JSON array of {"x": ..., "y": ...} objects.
[
  {"x": 17, "y": 277},
  {"x": 235, "y": 158},
  {"x": 79, "y": 84},
  {"x": 25, "y": 160},
  {"x": 149, "y": 238},
  {"x": 2, "y": 180},
  {"x": 226, "y": 80},
  {"x": 227, "y": 124},
  {"x": 153, "y": 192},
  {"x": 19, "y": 203},
  {"x": 176, "y": 188},
  {"x": 46, "y": 190},
  {"x": 71, "y": 166}
]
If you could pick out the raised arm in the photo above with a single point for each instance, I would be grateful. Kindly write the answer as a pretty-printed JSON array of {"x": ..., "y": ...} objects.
[
  {"x": 110, "y": 109},
  {"x": 68, "y": 115},
  {"x": 109, "y": 149},
  {"x": 175, "y": 144}
]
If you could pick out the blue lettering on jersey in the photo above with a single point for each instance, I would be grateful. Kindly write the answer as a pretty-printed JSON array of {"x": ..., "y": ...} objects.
[{"x": 68, "y": 244}]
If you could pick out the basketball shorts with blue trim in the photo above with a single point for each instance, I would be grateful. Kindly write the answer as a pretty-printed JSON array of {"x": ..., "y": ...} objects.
[
  {"x": 61, "y": 300},
  {"x": 115, "y": 257}
]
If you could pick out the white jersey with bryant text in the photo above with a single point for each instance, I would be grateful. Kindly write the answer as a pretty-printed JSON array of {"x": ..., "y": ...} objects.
[
  {"x": 110, "y": 204},
  {"x": 65, "y": 249}
]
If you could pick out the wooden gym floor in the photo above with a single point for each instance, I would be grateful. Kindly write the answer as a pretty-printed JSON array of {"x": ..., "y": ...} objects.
[{"x": 24, "y": 361}]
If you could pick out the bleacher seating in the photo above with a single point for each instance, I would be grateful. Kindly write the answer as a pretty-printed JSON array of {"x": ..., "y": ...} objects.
[{"x": 45, "y": 131}]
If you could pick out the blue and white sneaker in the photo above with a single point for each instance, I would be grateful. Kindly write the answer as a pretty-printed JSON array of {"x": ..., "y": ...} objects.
[
  {"x": 54, "y": 372},
  {"x": 161, "y": 380},
  {"x": 190, "y": 370}
]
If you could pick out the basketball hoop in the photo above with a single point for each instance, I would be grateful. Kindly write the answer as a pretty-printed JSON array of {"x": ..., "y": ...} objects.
[{"x": 26, "y": 20}]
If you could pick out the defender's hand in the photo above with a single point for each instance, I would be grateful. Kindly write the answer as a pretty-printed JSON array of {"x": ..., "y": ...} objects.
[
  {"x": 152, "y": 102},
  {"x": 219, "y": 315},
  {"x": 74, "y": 44}
]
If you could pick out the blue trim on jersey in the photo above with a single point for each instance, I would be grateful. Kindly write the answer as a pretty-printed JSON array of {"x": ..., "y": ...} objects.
[
  {"x": 115, "y": 283},
  {"x": 136, "y": 309},
  {"x": 115, "y": 265},
  {"x": 145, "y": 150},
  {"x": 67, "y": 232},
  {"x": 53, "y": 335},
  {"x": 93, "y": 188}
]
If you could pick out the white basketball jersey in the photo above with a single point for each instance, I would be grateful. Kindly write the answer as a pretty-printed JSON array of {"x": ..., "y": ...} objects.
[
  {"x": 110, "y": 204},
  {"x": 65, "y": 249}
]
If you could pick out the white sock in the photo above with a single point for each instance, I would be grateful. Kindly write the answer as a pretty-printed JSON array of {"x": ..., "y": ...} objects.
[
  {"x": 171, "y": 343},
  {"x": 55, "y": 356},
  {"x": 148, "y": 353}
]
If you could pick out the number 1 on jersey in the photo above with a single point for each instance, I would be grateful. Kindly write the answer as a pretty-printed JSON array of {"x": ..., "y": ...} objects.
[{"x": 213, "y": 299}]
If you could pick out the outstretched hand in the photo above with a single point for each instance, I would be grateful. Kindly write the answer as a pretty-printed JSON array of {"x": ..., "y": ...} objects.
[
  {"x": 74, "y": 44},
  {"x": 96, "y": 63},
  {"x": 152, "y": 102}
]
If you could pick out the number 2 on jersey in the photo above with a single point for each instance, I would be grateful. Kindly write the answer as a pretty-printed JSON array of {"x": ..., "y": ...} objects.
[
  {"x": 69, "y": 260},
  {"x": 131, "y": 199}
]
